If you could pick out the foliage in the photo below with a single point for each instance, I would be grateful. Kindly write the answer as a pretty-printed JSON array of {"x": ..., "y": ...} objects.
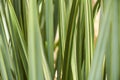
[{"x": 29, "y": 49}]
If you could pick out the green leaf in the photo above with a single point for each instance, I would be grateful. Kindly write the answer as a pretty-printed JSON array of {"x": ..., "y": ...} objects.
[
  {"x": 69, "y": 41},
  {"x": 89, "y": 35},
  {"x": 34, "y": 44},
  {"x": 97, "y": 62},
  {"x": 115, "y": 43},
  {"x": 5, "y": 62},
  {"x": 50, "y": 34},
  {"x": 17, "y": 38}
]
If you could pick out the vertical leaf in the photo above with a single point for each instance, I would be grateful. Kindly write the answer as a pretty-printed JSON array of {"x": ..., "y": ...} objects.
[
  {"x": 89, "y": 34},
  {"x": 69, "y": 41},
  {"x": 34, "y": 45},
  {"x": 97, "y": 62},
  {"x": 115, "y": 43},
  {"x": 5, "y": 62},
  {"x": 49, "y": 33}
]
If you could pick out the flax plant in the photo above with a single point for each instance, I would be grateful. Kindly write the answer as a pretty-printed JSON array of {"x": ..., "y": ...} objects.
[{"x": 54, "y": 40}]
